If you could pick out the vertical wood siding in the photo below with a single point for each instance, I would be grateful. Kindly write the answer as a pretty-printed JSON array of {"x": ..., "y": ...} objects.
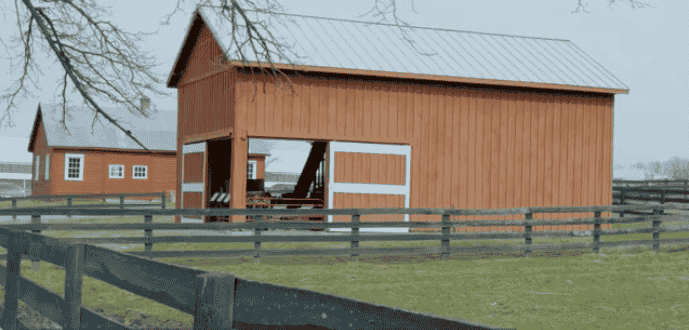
[
  {"x": 348, "y": 200},
  {"x": 193, "y": 200},
  {"x": 369, "y": 168},
  {"x": 193, "y": 167},
  {"x": 205, "y": 90},
  {"x": 471, "y": 148}
]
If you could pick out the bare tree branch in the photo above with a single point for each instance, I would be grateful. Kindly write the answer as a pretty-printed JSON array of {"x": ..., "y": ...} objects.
[
  {"x": 634, "y": 4},
  {"x": 103, "y": 61},
  {"x": 100, "y": 59}
]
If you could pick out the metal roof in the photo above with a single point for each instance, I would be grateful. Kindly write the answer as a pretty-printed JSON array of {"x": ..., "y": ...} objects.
[
  {"x": 156, "y": 133},
  {"x": 347, "y": 44}
]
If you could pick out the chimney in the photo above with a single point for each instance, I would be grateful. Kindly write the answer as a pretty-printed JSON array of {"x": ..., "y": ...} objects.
[{"x": 145, "y": 103}]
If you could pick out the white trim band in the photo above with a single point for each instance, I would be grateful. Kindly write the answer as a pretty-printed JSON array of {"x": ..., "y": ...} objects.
[
  {"x": 368, "y": 188},
  {"x": 192, "y": 187},
  {"x": 190, "y": 220},
  {"x": 359, "y": 188},
  {"x": 194, "y": 148}
]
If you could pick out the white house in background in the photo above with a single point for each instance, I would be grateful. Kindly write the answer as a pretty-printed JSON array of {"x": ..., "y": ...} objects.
[{"x": 14, "y": 178}]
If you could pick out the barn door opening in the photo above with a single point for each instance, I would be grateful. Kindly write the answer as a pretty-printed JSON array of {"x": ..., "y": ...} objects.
[
  {"x": 368, "y": 175},
  {"x": 219, "y": 176}
]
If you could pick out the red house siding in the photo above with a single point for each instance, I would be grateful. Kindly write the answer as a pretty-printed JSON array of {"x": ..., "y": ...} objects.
[{"x": 160, "y": 173}]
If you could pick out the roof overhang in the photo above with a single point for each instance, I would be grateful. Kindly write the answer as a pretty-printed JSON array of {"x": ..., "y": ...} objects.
[{"x": 402, "y": 75}]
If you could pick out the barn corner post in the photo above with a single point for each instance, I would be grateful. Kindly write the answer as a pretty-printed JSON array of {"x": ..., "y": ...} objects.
[{"x": 239, "y": 155}]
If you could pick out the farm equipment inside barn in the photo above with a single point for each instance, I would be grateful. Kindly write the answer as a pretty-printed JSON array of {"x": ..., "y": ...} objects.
[{"x": 309, "y": 192}]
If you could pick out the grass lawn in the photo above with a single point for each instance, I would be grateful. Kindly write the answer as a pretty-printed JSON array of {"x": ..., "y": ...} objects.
[{"x": 625, "y": 287}]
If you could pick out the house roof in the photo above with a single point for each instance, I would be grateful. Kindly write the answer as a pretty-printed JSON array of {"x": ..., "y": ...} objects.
[
  {"x": 281, "y": 177},
  {"x": 156, "y": 133},
  {"x": 321, "y": 44}
]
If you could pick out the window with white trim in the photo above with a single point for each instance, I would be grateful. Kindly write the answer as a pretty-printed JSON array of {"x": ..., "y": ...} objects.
[
  {"x": 251, "y": 170},
  {"x": 116, "y": 171},
  {"x": 74, "y": 167},
  {"x": 37, "y": 168},
  {"x": 139, "y": 172},
  {"x": 47, "y": 166}
]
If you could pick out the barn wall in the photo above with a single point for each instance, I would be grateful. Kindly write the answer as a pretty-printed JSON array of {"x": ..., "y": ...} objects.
[
  {"x": 373, "y": 168},
  {"x": 161, "y": 171},
  {"x": 205, "y": 100},
  {"x": 471, "y": 147},
  {"x": 204, "y": 92},
  {"x": 342, "y": 200}
]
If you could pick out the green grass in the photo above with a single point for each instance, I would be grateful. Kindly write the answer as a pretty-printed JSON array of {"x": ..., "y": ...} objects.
[{"x": 620, "y": 288}]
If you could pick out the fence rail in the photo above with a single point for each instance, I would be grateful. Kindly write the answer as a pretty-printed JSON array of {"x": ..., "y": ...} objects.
[
  {"x": 72, "y": 197},
  {"x": 632, "y": 183},
  {"x": 213, "y": 298},
  {"x": 660, "y": 194}
]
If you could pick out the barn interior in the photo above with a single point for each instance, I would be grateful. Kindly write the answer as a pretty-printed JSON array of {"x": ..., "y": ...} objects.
[{"x": 309, "y": 191}]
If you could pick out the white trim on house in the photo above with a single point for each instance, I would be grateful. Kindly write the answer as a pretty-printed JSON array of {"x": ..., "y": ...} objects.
[
  {"x": 254, "y": 164},
  {"x": 81, "y": 167},
  {"x": 137, "y": 174},
  {"x": 117, "y": 168},
  {"x": 37, "y": 168},
  {"x": 360, "y": 188},
  {"x": 47, "y": 167}
]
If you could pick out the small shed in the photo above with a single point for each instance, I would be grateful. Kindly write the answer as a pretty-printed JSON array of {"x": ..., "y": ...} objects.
[{"x": 456, "y": 119}]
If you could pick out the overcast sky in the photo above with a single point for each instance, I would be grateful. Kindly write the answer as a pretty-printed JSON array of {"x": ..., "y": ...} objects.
[{"x": 644, "y": 48}]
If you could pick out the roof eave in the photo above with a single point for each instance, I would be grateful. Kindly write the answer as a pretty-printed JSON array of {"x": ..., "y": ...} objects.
[
  {"x": 387, "y": 74},
  {"x": 34, "y": 131}
]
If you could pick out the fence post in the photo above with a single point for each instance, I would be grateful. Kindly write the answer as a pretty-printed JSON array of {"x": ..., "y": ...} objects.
[
  {"x": 74, "y": 264},
  {"x": 596, "y": 233},
  {"x": 527, "y": 233},
  {"x": 622, "y": 197},
  {"x": 35, "y": 262},
  {"x": 214, "y": 301},
  {"x": 662, "y": 196},
  {"x": 14, "y": 206},
  {"x": 355, "y": 234},
  {"x": 162, "y": 200},
  {"x": 656, "y": 235},
  {"x": 14, "y": 258},
  {"x": 257, "y": 245},
  {"x": 148, "y": 232},
  {"x": 69, "y": 204},
  {"x": 445, "y": 240},
  {"x": 122, "y": 202}
]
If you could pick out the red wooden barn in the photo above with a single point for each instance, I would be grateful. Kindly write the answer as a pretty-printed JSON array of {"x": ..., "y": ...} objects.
[{"x": 459, "y": 119}]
